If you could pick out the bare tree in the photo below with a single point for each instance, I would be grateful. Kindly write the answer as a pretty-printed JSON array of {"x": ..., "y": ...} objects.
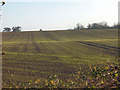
[
  {"x": 89, "y": 26},
  {"x": 40, "y": 30},
  {"x": 79, "y": 27}
]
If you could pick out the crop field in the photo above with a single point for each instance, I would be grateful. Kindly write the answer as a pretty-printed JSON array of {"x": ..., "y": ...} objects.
[{"x": 36, "y": 55}]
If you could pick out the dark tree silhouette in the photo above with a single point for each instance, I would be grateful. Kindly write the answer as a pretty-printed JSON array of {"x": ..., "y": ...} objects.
[
  {"x": 40, "y": 30},
  {"x": 16, "y": 29},
  {"x": 6, "y": 29},
  {"x": 79, "y": 27}
]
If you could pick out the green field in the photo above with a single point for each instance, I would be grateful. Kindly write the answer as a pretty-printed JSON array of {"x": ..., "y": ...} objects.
[{"x": 38, "y": 55}]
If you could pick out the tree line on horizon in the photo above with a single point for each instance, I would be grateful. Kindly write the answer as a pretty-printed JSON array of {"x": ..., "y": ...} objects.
[
  {"x": 101, "y": 25},
  {"x": 13, "y": 29}
]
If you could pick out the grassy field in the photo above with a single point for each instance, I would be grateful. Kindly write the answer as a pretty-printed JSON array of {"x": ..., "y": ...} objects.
[{"x": 32, "y": 56}]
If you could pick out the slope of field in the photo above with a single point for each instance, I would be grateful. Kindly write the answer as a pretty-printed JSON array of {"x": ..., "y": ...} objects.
[{"x": 33, "y": 55}]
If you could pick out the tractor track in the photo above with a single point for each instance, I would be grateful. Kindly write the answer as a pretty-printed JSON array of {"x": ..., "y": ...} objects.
[{"x": 102, "y": 46}]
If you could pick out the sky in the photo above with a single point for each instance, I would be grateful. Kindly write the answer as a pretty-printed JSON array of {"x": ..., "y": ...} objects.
[{"x": 57, "y": 14}]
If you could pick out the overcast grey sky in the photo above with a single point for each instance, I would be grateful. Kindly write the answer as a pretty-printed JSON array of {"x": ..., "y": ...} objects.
[{"x": 58, "y": 14}]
